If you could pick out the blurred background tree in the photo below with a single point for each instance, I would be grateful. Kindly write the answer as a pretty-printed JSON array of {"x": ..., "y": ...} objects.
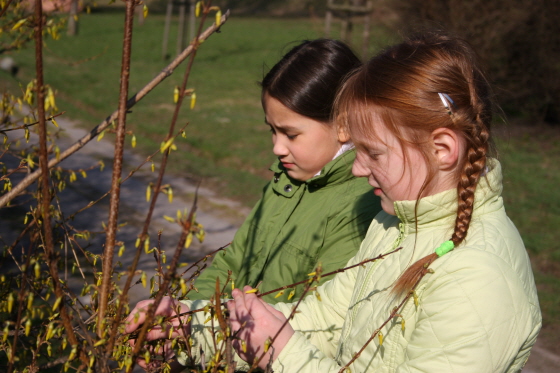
[{"x": 517, "y": 39}]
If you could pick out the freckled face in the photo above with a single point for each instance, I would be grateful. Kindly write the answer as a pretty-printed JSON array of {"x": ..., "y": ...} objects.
[
  {"x": 303, "y": 145},
  {"x": 383, "y": 162}
]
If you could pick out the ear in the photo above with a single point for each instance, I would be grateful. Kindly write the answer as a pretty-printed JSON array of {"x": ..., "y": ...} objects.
[
  {"x": 446, "y": 147},
  {"x": 343, "y": 135}
]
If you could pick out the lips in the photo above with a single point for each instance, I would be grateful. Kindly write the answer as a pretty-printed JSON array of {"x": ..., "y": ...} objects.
[{"x": 287, "y": 165}]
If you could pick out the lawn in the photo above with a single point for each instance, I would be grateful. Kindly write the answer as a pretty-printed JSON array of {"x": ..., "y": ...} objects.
[{"x": 228, "y": 145}]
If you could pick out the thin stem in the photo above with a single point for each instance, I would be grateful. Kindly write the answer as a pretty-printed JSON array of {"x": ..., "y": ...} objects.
[{"x": 108, "y": 252}]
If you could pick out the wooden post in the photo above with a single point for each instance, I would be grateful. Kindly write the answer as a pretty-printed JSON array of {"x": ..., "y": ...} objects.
[
  {"x": 192, "y": 20},
  {"x": 72, "y": 19},
  {"x": 367, "y": 29},
  {"x": 168, "y": 12},
  {"x": 328, "y": 19},
  {"x": 182, "y": 27},
  {"x": 140, "y": 13}
]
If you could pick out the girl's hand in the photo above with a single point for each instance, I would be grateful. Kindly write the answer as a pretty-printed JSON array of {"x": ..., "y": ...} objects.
[
  {"x": 254, "y": 323},
  {"x": 168, "y": 307}
]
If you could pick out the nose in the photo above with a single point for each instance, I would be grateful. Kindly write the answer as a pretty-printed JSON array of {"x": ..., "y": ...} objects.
[
  {"x": 279, "y": 147},
  {"x": 358, "y": 168}
]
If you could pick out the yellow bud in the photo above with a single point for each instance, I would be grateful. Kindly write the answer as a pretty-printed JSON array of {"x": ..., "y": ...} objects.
[
  {"x": 170, "y": 194},
  {"x": 133, "y": 141},
  {"x": 100, "y": 342},
  {"x": 267, "y": 344},
  {"x": 27, "y": 327},
  {"x": 73, "y": 353},
  {"x": 10, "y": 302},
  {"x": 56, "y": 303},
  {"x": 193, "y": 100},
  {"x": 252, "y": 291},
  {"x": 49, "y": 350},
  {"x": 143, "y": 279},
  {"x": 183, "y": 286},
  {"x": 37, "y": 270},
  {"x": 19, "y": 24},
  {"x": 311, "y": 274},
  {"x": 188, "y": 241},
  {"x": 100, "y": 136},
  {"x": 175, "y": 95},
  {"x": 54, "y": 122},
  {"x": 148, "y": 193},
  {"x": 197, "y": 8},
  {"x": 26, "y": 135},
  {"x": 279, "y": 294},
  {"x": 291, "y": 295},
  {"x": 243, "y": 346},
  {"x": 169, "y": 218},
  {"x": 153, "y": 167},
  {"x": 165, "y": 145},
  {"x": 318, "y": 296},
  {"x": 201, "y": 234},
  {"x": 218, "y": 18},
  {"x": 83, "y": 173},
  {"x": 380, "y": 336},
  {"x": 145, "y": 11},
  {"x": 121, "y": 251},
  {"x": 415, "y": 296},
  {"x": 50, "y": 331},
  {"x": 30, "y": 301},
  {"x": 402, "y": 324}
]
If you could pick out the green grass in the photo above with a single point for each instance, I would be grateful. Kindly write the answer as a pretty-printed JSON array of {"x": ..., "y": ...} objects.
[{"x": 227, "y": 144}]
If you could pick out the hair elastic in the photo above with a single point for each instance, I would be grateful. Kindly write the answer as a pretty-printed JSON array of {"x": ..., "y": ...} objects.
[
  {"x": 447, "y": 101},
  {"x": 444, "y": 248}
]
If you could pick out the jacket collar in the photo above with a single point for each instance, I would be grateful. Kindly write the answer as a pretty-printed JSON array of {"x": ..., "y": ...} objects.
[
  {"x": 441, "y": 209},
  {"x": 336, "y": 171}
]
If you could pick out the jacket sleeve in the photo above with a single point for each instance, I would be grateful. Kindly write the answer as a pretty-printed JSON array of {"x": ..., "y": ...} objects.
[
  {"x": 346, "y": 230},
  {"x": 475, "y": 315},
  {"x": 233, "y": 259},
  {"x": 318, "y": 324}
]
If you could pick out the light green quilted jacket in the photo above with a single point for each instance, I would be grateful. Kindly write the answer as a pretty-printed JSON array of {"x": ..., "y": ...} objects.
[{"x": 478, "y": 312}]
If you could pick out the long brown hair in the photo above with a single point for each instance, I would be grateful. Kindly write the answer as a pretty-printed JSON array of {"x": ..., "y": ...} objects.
[{"x": 402, "y": 86}]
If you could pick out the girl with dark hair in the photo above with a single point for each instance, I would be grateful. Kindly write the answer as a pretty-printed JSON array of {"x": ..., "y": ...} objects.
[{"x": 314, "y": 211}]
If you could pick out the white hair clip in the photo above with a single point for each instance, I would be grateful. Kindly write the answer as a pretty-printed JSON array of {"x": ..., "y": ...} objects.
[{"x": 447, "y": 101}]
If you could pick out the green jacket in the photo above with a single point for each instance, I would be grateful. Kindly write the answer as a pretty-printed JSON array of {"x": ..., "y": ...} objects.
[{"x": 293, "y": 228}]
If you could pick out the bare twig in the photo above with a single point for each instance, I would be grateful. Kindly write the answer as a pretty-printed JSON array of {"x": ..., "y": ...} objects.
[{"x": 108, "y": 252}]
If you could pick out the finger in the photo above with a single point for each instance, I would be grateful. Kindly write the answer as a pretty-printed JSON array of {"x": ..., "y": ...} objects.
[
  {"x": 273, "y": 310},
  {"x": 234, "y": 322},
  {"x": 137, "y": 316}
]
